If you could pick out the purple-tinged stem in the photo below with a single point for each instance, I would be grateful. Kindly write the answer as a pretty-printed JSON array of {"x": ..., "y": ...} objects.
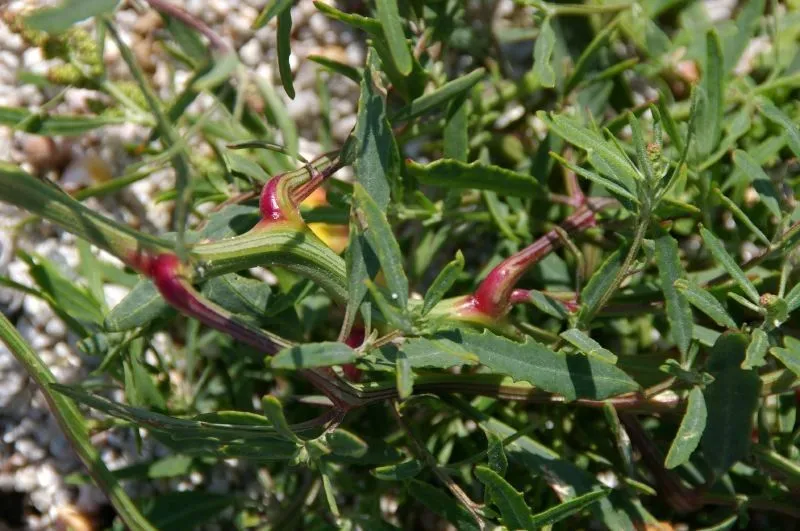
[{"x": 185, "y": 17}]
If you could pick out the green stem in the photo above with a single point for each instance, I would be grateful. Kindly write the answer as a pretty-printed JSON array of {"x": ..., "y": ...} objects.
[
  {"x": 638, "y": 238},
  {"x": 785, "y": 467},
  {"x": 72, "y": 424},
  {"x": 299, "y": 251}
]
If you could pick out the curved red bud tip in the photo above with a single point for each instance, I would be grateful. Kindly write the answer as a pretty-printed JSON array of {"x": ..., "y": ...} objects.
[{"x": 269, "y": 203}]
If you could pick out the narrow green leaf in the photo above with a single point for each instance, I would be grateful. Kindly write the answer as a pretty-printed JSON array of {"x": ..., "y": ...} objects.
[
  {"x": 439, "y": 97},
  {"x": 496, "y": 453},
  {"x": 641, "y": 149},
  {"x": 567, "y": 509},
  {"x": 350, "y": 72},
  {"x": 789, "y": 355},
  {"x": 443, "y": 282},
  {"x": 679, "y": 313},
  {"x": 370, "y": 25},
  {"x": 456, "y": 134},
  {"x": 399, "y": 472},
  {"x": 705, "y": 302},
  {"x": 776, "y": 115},
  {"x": 741, "y": 216},
  {"x": 608, "y": 184},
  {"x": 542, "y": 51},
  {"x": 310, "y": 355},
  {"x": 140, "y": 389},
  {"x": 547, "y": 305},
  {"x": 374, "y": 138},
  {"x": 717, "y": 249},
  {"x": 342, "y": 442},
  {"x": 221, "y": 72},
  {"x": 273, "y": 8},
  {"x": 747, "y": 22},
  {"x": 63, "y": 292},
  {"x": 50, "y": 125},
  {"x": 273, "y": 410},
  {"x": 449, "y": 173},
  {"x": 284, "y": 50},
  {"x": 573, "y": 376},
  {"x": 669, "y": 123},
  {"x": 690, "y": 431},
  {"x": 422, "y": 352},
  {"x": 587, "y": 345},
  {"x": 238, "y": 294},
  {"x": 709, "y": 123},
  {"x": 600, "y": 281},
  {"x": 139, "y": 308},
  {"x": 361, "y": 265},
  {"x": 403, "y": 375},
  {"x": 731, "y": 401},
  {"x": 513, "y": 509},
  {"x": 761, "y": 181},
  {"x": 756, "y": 350},
  {"x": 442, "y": 504},
  {"x": 392, "y": 24},
  {"x": 793, "y": 298},
  {"x": 58, "y": 19},
  {"x": 618, "y": 167},
  {"x": 379, "y": 234}
]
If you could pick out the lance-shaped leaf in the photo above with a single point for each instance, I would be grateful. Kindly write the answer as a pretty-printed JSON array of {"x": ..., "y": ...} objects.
[
  {"x": 221, "y": 434},
  {"x": 273, "y": 8},
  {"x": 717, "y": 249},
  {"x": 443, "y": 282},
  {"x": 389, "y": 16},
  {"x": 790, "y": 128},
  {"x": 404, "y": 378},
  {"x": 573, "y": 376},
  {"x": 614, "y": 164},
  {"x": 342, "y": 442},
  {"x": 513, "y": 509},
  {"x": 756, "y": 350},
  {"x": 542, "y": 51},
  {"x": 709, "y": 123},
  {"x": 690, "y": 431},
  {"x": 439, "y": 97},
  {"x": 284, "y": 51},
  {"x": 761, "y": 181},
  {"x": 424, "y": 352},
  {"x": 238, "y": 294},
  {"x": 273, "y": 410},
  {"x": 731, "y": 400},
  {"x": 449, "y": 173},
  {"x": 496, "y": 453},
  {"x": 382, "y": 240},
  {"x": 679, "y": 313},
  {"x": 606, "y": 183},
  {"x": 139, "y": 308},
  {"x": 587, "y": 345},
  {"x": 375, "y": 145},
  {"x": 705, "y": 302},
  {"x": 310, "y": 355},
  {"x": 399, "y": 472},
  {"x": 53, "y": 125},
  {"x": 600, "y": 282},
  {"x": 567, "y": 509},
  {"x": 789, "y": 355},
  {"x": 58, "y": 19}
]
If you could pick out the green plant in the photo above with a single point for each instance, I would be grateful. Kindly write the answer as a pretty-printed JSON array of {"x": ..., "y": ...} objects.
[{"x": 648, "y": 354}]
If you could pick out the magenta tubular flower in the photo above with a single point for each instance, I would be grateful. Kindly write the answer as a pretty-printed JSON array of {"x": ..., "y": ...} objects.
[{"x": 496, "y": 294}]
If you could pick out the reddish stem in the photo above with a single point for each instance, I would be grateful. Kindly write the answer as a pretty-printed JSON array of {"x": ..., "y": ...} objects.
[{"x": 495, "y": 294}]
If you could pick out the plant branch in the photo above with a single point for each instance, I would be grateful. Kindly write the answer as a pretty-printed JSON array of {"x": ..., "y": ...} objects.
[{"x": 72, "y": 424}]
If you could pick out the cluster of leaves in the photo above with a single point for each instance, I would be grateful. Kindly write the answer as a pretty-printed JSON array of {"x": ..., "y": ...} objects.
[{"x": 645, "y": 376}]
